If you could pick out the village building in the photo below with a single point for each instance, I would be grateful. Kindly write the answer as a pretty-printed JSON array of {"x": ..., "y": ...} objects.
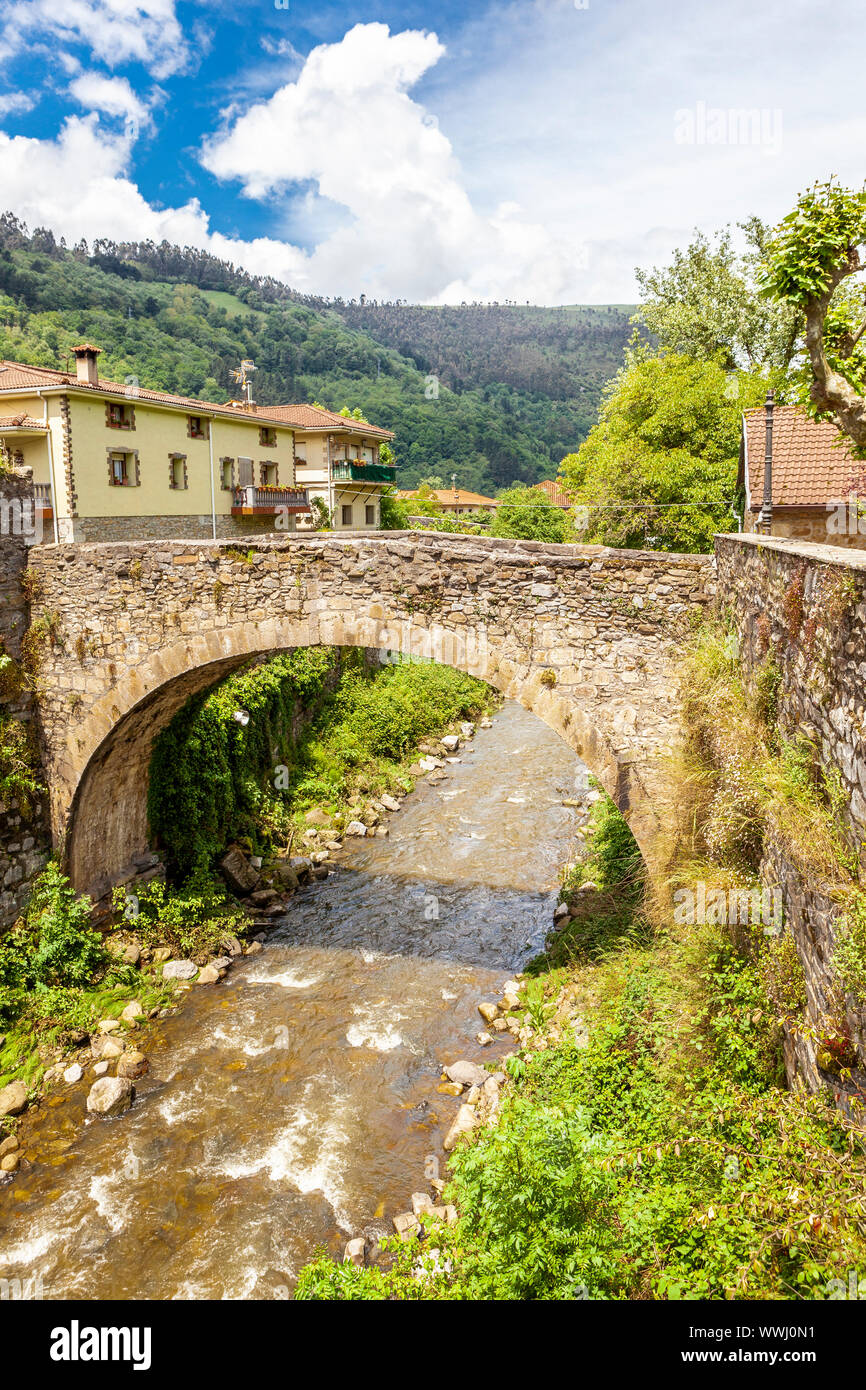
[
  {"x": 338, "y": 461},
  {"x": 455, "y": 501},
  {"x": 555, "y": 495},
  {"x": 116, "y": 461},
  {"x": 798, "y": 479}
]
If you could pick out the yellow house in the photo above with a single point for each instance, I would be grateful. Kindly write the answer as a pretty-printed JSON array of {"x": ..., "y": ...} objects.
[{"x": 114, "y": 461}]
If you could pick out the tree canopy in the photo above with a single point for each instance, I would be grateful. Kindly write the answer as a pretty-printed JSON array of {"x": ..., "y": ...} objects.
[
  {"x": 659, "y": 469},
  {"x": 814, "y": 265}
]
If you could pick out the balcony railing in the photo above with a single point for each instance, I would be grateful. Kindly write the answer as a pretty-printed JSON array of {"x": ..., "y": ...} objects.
[
  {"x": 43, "y": 500},
  {"x": 269, "y": 501},
  {"x": 353, "y": 471}
]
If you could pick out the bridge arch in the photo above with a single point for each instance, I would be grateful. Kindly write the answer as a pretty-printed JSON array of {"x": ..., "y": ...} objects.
[
  {"x": 106, "y": 820},
  {"x": 583, "y": 636}
]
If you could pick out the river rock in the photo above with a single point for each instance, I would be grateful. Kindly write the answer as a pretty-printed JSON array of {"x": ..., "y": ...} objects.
[
  {"x": 162, "y": 954},
  {"x": 72, "y": 1074},
  {"x": 109, "y": 1025},
  {"x": 100, "y": 1068},
  {"x": 132, "y": 1012},
  {"x": 464, "y": 1122},
  {"x": 238, "y": 873},
  {"x": 451, "y": 742},
  {"x": 283, "y": 874},
  {"x": 302, "y": 866},
  {"x": 319, "y": 857},
  {"x": 355, "y": 1251},
  {"x": 467, "y": 1073},
  {"x": 499, "y": 1025},
  {"x": 488, "y": 1012},
  {"x": 110, "y": 1095},
  {"x": 253, "y": 949},
  {"x": 406, "y": 1225},
  {"x": 560, "y": 911},
  {"x": 421, "y": 1202},
  {"x": 9, "y": 1145},
  {"x": 208, "y": 975},
  {"x": 390, "y": 802},
  {"x": 317, "y": 817},
  {"x": 132, "y": 1065},
  {"x": 485, "y": 723},
  {"x": 382, "y": 832},
  {"x": 263, "y": 897},
  {"x": 320, "y": 871},
  {"x": 449, "y": 1088},
  {"x": 231, "y": 945},
  {"x": 9, "y": 1163},
  {"x": 483, "y": 1039},
  {"x": 13, "y": 1098},
  {"x": 467, "y": 729},
  {"x": 356, "y": 827},
  {"x": 179, "y": 970},
  {"x": 105, "y": 1047}
]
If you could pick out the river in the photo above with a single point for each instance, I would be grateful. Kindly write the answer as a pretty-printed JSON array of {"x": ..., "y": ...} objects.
[{"x": 294, "y": 1105}]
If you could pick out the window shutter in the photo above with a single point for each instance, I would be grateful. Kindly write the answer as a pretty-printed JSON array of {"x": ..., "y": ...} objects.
[{"x": 245, "y": 472}]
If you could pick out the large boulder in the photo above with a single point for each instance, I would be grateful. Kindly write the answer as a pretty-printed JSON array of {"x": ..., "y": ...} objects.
[
  {"x": 467, "y": 1073},
  {"x": 238, "y": 872},
  {"x": 110, "y": 1095},
  {"x": 13, "y": 1098},
  {"x": 179, "y": 970}
]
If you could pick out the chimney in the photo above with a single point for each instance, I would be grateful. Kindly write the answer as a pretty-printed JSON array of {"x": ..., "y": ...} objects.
[{"x": 85, "y": 364}]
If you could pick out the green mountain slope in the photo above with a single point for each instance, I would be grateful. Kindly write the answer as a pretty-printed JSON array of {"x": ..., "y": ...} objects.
[{"x": 517, "y": 388}]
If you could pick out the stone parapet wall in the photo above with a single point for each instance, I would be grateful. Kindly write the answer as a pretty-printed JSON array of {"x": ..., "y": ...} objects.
[
  {"x": 95, "y": 530},
  {"x": 800, "y": 608},
  {"x": 804, "y": 605}
]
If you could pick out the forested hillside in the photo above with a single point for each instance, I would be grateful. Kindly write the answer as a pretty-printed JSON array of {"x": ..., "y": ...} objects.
[{"x": 518, "y": 387}]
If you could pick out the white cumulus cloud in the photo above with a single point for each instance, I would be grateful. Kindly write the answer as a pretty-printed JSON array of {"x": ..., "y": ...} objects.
[
  {"x": 116, "y": 31},
  {"x": 113, "y": 95}
]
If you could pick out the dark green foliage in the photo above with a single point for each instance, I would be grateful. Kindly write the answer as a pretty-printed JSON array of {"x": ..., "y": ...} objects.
[
  {"x": 209, "y": 773},
  {"x": 54, "y": 947}
]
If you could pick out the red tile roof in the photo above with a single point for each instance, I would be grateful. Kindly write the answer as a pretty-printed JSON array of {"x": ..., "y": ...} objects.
[
  {"x": 313, "y": 417},
  {"x": 810, "y": 466},
  {"x": 555, "y": 494},
  {"x": 22, "y": 422},
  {"x": 451, "y": 497},
  {"x": 18, "y": 377}
]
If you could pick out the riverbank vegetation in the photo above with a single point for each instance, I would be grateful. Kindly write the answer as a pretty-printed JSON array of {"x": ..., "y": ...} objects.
[
  {"x": 647, "y": 1146},
  {"x": 325, "y": 729}
]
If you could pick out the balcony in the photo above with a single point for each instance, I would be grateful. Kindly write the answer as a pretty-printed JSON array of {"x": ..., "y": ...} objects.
[
  {"x": 269, "y": 501},
  {"x": 354, "y": 471},
  {"x": 43, "y": 501}
]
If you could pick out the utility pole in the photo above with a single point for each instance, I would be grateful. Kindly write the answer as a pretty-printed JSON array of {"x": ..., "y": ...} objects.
[{"x": 765, "y": 518}]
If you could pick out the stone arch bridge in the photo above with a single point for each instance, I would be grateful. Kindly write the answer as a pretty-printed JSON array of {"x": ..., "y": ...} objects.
[{"x": 584, "y": 636}]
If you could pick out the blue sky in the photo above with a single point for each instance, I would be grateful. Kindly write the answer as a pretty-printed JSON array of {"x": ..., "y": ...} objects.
[{"x": 535, "y": 150}]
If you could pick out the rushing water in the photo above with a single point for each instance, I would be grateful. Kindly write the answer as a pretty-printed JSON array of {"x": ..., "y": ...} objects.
[{"x": 293, "y": 1105}]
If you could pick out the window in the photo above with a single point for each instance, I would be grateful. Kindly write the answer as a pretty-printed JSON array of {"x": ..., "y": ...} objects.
[
  {"x": 196, "y": 427},
  {"x": 269, "y": 473},
  {"x": 267, "y": 437},
  {"x": 347, "y": 514},
  {"x": 301, "y": 451},
  {"x": 245, "y": 472},
  {"x": 119, "y": 416},
  {"x": 227, "y": 474},
  {"x": 122, "y": 469},
  {"x": 177, "y": 471},
  {"x": 370, "y": 514}
]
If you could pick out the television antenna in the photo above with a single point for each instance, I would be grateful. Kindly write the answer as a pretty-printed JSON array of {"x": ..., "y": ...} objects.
[{"x": 242, "y": 376}]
